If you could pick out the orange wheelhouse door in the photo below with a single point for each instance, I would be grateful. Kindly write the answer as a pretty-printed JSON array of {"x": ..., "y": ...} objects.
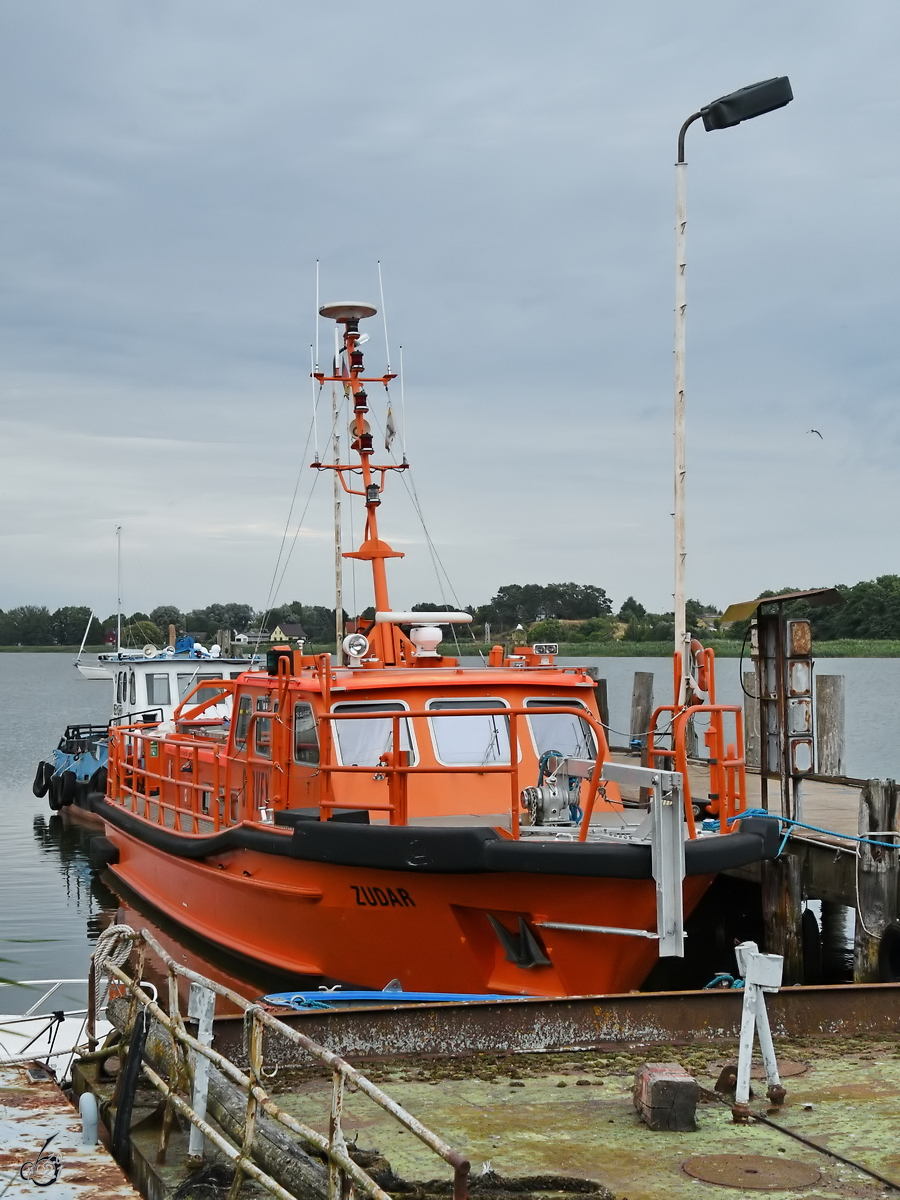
[{"x": 303, "y": 765}]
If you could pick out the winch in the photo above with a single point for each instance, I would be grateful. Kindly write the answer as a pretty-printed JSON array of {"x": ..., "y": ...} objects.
[{"x": 555, "y": 799}]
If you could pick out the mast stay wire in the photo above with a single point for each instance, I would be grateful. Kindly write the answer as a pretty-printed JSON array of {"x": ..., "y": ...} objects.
[
  {"x": 270, "y": 598},
  {"x": 303, "y": 514},
  {"x": 436, "y": 561},
  {"x": 387, "y": 347}
]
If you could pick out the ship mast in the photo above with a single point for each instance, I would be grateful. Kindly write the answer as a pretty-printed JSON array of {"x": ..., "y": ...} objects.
[{"x": 385, "y": 638}]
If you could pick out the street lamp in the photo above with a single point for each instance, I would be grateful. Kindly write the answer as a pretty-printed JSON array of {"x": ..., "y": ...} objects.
[{"x": 728, "y": 110}]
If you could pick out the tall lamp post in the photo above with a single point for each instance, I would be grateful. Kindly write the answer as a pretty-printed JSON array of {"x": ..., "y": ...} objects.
[{"x": 728, "y": 110}]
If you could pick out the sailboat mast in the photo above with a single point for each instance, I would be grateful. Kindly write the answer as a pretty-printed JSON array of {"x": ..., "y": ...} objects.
[
  {"x": 87, "y": 630},
  {"x": 118, "y": 588}
]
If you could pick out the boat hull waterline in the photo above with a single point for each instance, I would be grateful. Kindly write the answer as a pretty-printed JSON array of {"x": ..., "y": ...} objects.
[{"x": 431, "y": 931}]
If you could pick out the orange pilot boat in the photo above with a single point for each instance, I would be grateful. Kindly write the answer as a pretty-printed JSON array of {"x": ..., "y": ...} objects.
[{"x": 395, "y": 815}]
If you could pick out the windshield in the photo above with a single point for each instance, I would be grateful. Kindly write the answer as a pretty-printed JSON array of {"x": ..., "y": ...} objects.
[
  {"x": 478, "y": 740},
  {"x": 563, "y": 733},
  {"x": 361, "y": 743}
]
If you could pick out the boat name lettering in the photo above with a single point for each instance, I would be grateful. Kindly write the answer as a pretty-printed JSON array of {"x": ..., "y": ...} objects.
[{"x": 376, "y": 897}]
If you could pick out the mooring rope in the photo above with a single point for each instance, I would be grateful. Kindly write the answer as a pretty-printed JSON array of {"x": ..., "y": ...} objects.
[{"x": 113, "y": 946}]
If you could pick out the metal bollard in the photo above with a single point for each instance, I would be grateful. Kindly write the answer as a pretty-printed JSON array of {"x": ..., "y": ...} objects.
[{"x": 87, "y": 1108}]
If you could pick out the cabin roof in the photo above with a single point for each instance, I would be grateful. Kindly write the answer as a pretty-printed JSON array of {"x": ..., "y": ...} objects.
[{"x": 404, "y": 680}]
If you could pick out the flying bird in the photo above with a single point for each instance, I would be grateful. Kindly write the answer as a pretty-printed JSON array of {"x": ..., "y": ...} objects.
[{"x": 815, "y": 431}]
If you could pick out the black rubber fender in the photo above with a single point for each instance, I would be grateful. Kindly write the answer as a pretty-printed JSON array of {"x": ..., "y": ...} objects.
[
  {"x": 67, "y": 788},
  {"x": 98, "y": 781},
  {"x": 102, "y": 852},
  {"x": 889, "y": 954},
  {"x": 54, "y": 787},
  {"x": 42, "y": 775}
]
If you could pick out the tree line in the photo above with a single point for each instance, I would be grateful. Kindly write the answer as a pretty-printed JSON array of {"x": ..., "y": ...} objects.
[{"x": 548, "y": 612}]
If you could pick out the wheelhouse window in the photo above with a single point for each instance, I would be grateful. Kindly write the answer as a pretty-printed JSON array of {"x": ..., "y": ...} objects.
[
  {"x": 242, "y": 720},
  {"x": 132, "y": 689},
  {"x": 187, "y": 682},
  {"x": 561, "y": 732},
  {"x": 480, "y": 740},
  {"x": 263, "y": 735},
  {"x": 361, "y": 743},
  {"x": 158, "y": 691},
  {"x": 306, "y": 737}
]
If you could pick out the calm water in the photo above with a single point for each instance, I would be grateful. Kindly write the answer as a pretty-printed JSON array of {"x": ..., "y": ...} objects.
[{"x": 52, "y": 905}]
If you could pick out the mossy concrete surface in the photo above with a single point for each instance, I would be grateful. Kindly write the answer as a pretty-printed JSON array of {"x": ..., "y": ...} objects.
[{"x": 571, "y": 1117}]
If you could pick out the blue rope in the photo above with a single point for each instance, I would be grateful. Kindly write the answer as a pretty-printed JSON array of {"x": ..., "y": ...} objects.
[
  {"x": 790, "y": 824},
  {"x": 732, "y": 980}
]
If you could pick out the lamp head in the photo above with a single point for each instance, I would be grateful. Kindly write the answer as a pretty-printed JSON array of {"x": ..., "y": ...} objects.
[{"x": 747, "y": 103}]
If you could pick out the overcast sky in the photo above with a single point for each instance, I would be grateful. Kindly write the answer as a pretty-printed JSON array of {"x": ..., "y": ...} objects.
[{"x": 172, "y": 170}]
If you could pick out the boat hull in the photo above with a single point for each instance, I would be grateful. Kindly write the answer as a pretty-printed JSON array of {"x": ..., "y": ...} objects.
[{"x": 432, "y": 931}]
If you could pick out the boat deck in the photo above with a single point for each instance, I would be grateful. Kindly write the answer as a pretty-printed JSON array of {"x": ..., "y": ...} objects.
[
  {"x": 32, "y": 1108},
  {"x": 555, "y": 1124},
  {"x": 829, "y": 806}
]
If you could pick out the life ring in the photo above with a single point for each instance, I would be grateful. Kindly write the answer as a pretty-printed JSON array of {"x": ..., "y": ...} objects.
[
  {"x": 697, "y": 649},
  {"x": 42, "y": 776},
  {"x": 67, "y": 783}
]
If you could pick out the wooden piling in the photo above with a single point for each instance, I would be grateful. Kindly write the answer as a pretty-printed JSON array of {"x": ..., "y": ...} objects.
[
  {"x": 751, "y": 720},
  {"x": 641, "y": 705},
  {"x": 877, "y": 875},
  {"x": 830, "y": 724},
  {"x": 600, "y": 691},
  {"x": 782, "y": 896}
]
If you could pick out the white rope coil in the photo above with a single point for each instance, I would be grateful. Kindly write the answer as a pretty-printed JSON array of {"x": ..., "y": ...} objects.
[{"x": 113, "y": 946}]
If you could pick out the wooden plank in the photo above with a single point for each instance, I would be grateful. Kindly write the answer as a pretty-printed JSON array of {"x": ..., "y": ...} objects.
[{"x": 830, "y": 724}]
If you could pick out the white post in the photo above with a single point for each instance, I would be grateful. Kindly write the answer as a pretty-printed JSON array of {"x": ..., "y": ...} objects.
[
  {"x": 118, "y": 588},
  {"x": 201, "y": 1008},
  {"x": 680, "y": 464},
  {"x": 338, "y": 559},
  {"x": 761, "y": 973}
]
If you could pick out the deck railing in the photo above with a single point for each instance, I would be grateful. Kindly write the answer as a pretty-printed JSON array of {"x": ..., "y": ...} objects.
[
  {"x": 196, "y": 786},
  {"x": 186, "y": 1088}
]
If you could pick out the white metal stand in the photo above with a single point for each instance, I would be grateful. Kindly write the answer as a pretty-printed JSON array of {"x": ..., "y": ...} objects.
[
  {"x": 761, "y": 973},
  {"x": 201, "y": 1008}
]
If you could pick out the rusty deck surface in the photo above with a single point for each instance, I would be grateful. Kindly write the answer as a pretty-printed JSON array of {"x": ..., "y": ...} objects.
[
  {"x": 575, "y": 1022},
  {"x": 30, "y": 1112},
  {"x": 556, "y": 1123}
]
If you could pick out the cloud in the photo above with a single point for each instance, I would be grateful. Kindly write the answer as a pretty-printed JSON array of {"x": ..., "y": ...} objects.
[{"x": 172, "y": 173}]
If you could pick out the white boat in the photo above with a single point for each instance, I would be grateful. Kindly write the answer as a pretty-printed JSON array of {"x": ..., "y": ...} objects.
[
  {"x": 147, "y": 687},
  {"x": 92, "y": 671},
  {"x": 46, "y": 1035}
]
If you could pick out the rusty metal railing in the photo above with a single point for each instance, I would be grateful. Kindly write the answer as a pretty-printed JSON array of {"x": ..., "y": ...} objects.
[{"x": 343, "y": 1173}]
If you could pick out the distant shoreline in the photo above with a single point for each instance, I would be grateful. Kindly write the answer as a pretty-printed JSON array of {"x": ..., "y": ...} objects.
[{"x": 846, "y": 648}]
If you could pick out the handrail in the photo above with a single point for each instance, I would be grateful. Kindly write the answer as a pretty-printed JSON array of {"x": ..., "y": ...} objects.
[
  {"x": 227, "y": 688},
  {"x": 208, "y": 783},
  {"x": 728, "y": 780},
  {"x": 342, "y": 1169}
]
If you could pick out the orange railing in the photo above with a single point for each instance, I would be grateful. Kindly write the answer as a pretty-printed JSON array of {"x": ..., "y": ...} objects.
[
  {"x": 193, "y": 785},
  {"x": 181, "y": 781},
  {"x": 727, "y": 796}
]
